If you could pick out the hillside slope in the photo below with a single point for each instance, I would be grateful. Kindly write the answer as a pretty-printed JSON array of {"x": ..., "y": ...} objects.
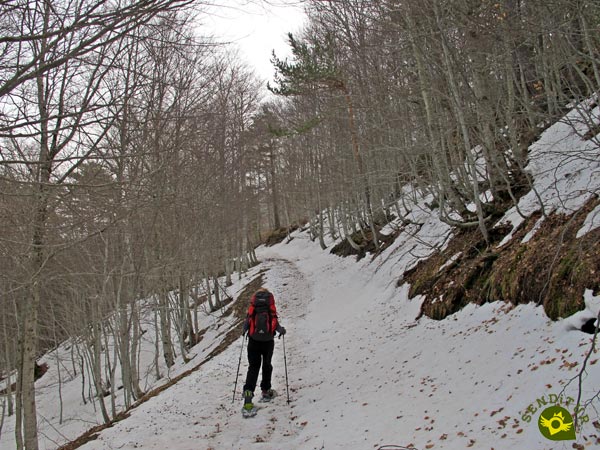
[{"x": 364, "y": 372}]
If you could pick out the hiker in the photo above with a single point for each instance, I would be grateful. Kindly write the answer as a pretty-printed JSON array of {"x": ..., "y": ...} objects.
[{"x": 261, "y": 324}]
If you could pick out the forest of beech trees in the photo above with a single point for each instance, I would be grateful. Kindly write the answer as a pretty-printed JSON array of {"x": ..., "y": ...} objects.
[{"x": 141, "y": 160}]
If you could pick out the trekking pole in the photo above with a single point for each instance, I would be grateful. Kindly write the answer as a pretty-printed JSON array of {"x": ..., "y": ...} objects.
[
  {"x": 287, "y": 388},
  {"x": 237, "y": 374}
]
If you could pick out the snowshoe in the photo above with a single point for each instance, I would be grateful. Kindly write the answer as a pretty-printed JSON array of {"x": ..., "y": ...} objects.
[
  {"x": 249, "y": 410},
  {"x": 268, "y": 395}
]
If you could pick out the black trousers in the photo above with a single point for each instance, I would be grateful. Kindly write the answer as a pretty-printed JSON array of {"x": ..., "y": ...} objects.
[{"x": 259, "y": 352}]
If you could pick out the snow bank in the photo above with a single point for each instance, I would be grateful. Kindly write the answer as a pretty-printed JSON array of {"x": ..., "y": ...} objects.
[{"x": 565, "y": 169}]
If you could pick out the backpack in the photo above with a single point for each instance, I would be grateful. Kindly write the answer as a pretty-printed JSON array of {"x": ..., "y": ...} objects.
[{"x": 262, "y": 325}]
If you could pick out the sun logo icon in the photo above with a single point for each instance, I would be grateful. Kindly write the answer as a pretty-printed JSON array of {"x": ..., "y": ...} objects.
[{"x": 556, "y": 424}]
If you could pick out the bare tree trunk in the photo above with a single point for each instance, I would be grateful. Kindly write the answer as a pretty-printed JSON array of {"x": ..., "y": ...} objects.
[
  {"x": 347, "y": 234},
  {"x": 211, "y": 306},
  {"x": 217, "y": 287},
  {"x": 59, "y": 372},
  {"x": 465, "y": 133},
  {"x": 156, "y": 343},
  {"x": 165, "y": 328},
  {"x": 359, "y": 161},
  {"x": 274, "y": 188},
  {"x": 133, "y": 353},
  {"x": 331, "y": 222},
  {"x": 123, "y": 341},
  {"x": 19, "y": 402},
  {"x": 3, "y": 414},
  {"x": 95, "y": 360},
  {"x": 38, "y": 258},
  {"x": 321, "y": 223},
  {"x": 112, "y": 368}
]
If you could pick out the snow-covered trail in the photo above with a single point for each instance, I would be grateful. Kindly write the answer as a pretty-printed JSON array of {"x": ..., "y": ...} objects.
[
  {"x": 313, "y": 304},
  {"x": 363, "y": 373},
  {"x": 197, "y": 412},
  {"x": 276, "y": 426}
]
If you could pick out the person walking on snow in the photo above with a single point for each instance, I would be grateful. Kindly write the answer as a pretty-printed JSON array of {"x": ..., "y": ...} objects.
[{"x": 261, "y": 324}]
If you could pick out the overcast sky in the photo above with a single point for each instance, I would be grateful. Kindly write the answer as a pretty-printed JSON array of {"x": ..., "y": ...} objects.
[{"x": 257, "y": 28}]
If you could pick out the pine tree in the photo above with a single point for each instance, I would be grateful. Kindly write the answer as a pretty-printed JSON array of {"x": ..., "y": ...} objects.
[{"x": 314, "y": 68}]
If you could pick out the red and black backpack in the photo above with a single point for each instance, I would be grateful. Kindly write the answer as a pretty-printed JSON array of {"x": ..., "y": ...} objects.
[{"x": 262, "y": 316}]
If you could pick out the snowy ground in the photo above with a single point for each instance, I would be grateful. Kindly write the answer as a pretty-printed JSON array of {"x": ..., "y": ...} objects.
[{"x": 363, "y": 372}]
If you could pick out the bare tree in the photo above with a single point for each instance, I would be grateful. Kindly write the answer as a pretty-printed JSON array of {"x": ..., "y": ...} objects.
[{"x": 55, "y": 62}]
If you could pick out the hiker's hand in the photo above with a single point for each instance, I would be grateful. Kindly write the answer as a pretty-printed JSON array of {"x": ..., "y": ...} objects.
[
  {"x": 281, "y": 330},
  {"x": 245, "y": 329}
]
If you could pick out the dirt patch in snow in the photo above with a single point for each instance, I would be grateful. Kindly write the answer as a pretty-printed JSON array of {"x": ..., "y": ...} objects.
[
  {"x": 239, "y": 312},
  {"x": 552, "y": 269},
  {"x": 279, "y": 235},
  {"x": 364, "y": 240}
]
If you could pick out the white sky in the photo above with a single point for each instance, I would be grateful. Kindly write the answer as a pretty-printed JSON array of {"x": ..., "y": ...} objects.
[{"x": 256, "y": 27}]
